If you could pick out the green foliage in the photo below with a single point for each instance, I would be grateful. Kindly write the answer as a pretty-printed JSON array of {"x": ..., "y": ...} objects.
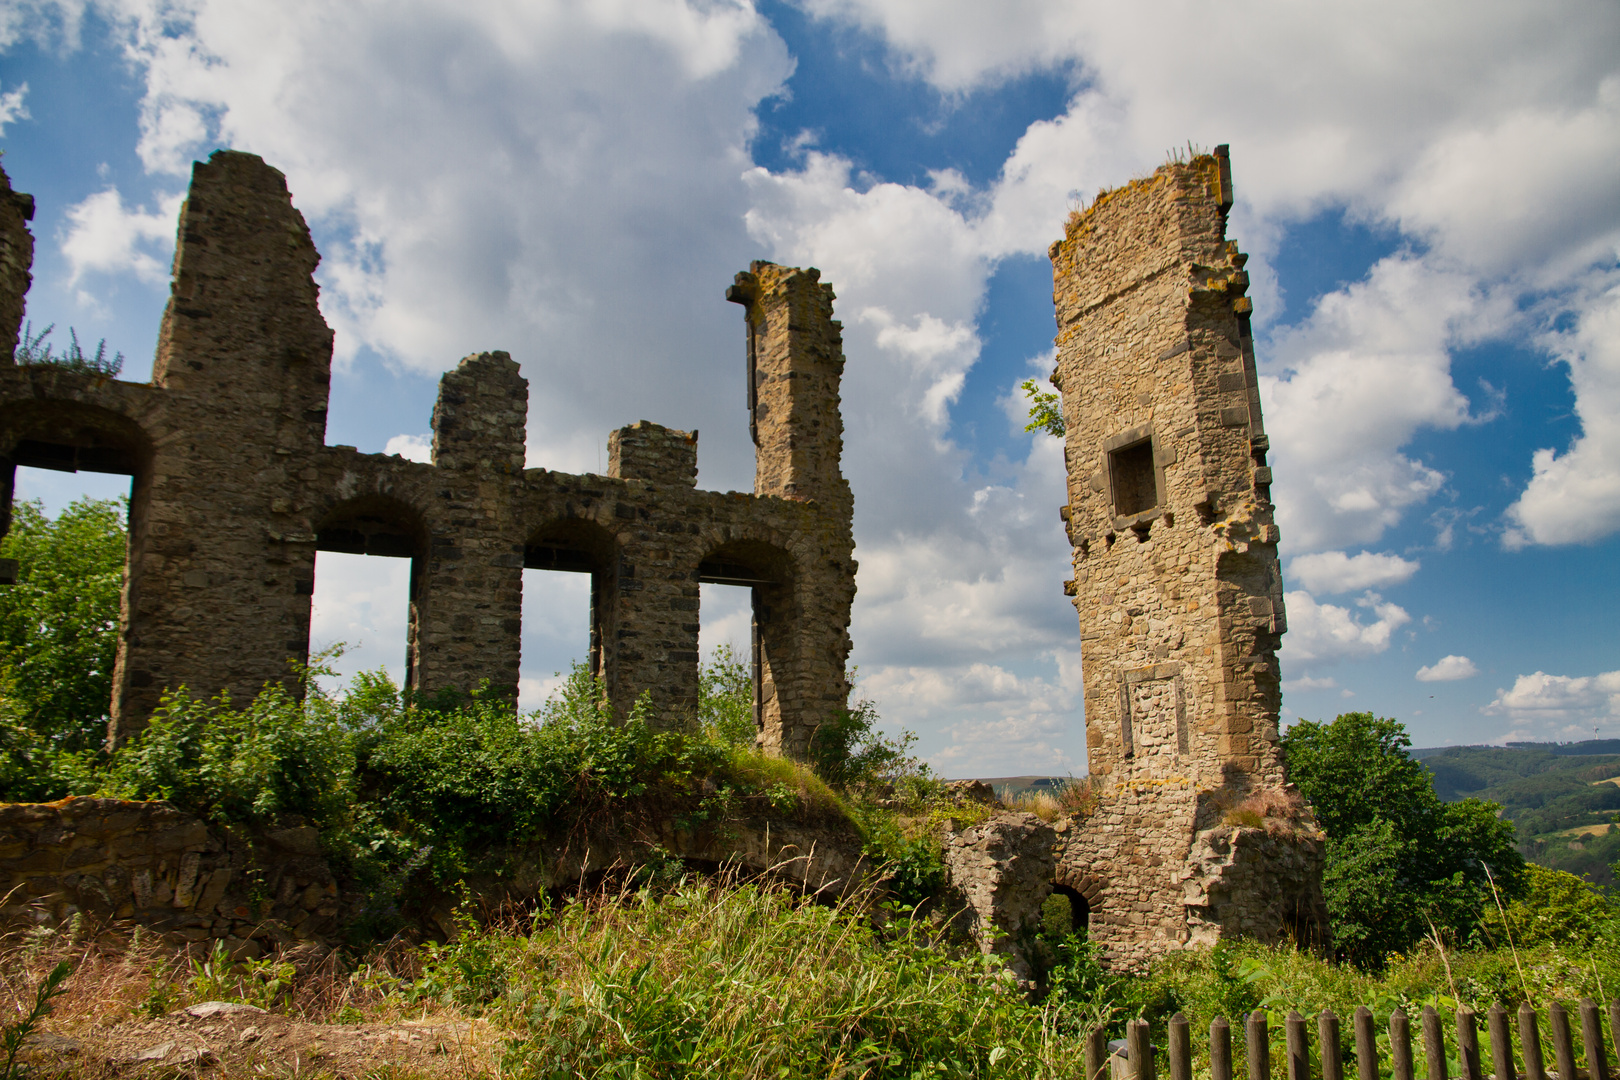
[
  {"x": 739, "y": 981},
  {"x": 260, "y": 982},
  {"x": 58, "y": 640},
  {"x": 1559, "y": 796},
  {"x": 726, "y": 699},
  {"x": 35, "y": 350},
  {"x": 851, "y": 751},
  {"x": 1556, "y": 908},
  {"x": 1045, "y": 410},
  {"x": 15, "y": 1034},
  {"x": 274, "y": 758},
  {"x": 1401, "y": 864}
]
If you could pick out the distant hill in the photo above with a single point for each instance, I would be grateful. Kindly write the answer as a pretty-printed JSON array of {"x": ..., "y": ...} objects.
[{"x": 1561, "y": 797}]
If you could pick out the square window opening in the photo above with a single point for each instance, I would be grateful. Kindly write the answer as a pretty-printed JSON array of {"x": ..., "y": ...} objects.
[{"x": 1134, "y": 478}]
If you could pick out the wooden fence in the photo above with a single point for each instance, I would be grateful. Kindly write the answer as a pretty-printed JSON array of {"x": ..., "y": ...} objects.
[{"x": 1135, "y": 1059}]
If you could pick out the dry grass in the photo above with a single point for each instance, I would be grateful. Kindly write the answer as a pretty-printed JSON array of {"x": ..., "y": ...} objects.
[
  {"x": 1077, "y": 799},
  {"x": 1278, "y": 812},
  {"x": 124, "y": 1014}
]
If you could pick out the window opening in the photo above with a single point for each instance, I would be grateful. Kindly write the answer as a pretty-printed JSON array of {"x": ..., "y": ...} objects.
[
  {"x": 557, "y": 620},
  {"x": 366, "y": 574},
  {"x": 1134, "y": 478},
  {"x": 63, "y": 675},
  {"x": 728, "y": 641}
]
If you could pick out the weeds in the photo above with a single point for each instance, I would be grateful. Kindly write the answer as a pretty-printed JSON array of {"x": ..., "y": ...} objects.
[{"x": 17, "y": 1033}]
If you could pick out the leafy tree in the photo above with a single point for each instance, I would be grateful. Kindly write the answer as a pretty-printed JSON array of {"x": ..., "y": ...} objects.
[
  {"x": 726, "y": 698},
  {"x": 59, "y": 623},
  {"x": 1557, "y": 908},
  {"x": 1401, "y": 864},
  {"x": 1045, "y": 410}
]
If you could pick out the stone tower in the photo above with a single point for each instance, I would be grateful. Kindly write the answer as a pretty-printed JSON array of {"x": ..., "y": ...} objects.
[{"x": 1176, "y": 579}]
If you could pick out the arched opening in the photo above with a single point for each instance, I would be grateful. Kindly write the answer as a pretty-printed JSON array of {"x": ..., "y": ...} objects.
[
  {"x": 368, "y": 570},
  {"x": 1066, "y": 911},
  {"x": 569, "y": 579},
  {"x": 766, "y": 572},
  {"x": 68, "y": 459}
]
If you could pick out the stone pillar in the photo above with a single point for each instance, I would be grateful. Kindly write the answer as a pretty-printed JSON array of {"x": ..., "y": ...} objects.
[
  {"x": 221, "y": 563},
  {"x": 1169, "y": 513},
  {"x": 795, "y": 364},
  {"x": 16, "y": 260},
  {"x": 468, "y": 599},
  {"x": 649, "y": 613}
]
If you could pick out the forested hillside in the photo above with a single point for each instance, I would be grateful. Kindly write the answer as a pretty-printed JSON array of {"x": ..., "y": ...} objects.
[{"x": 1563, "y": 798}]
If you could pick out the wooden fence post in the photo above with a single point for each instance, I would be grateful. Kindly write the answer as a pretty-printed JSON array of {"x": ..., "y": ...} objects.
[
  {"x": 1535, "y": 1065},
  {"x": 1096, "y": 1053},
  {"x": 1501, "y": 1043},
  {"x": 1563, "y": 1042},
  {"x": 1259, "y": 1041},
  {"x": 1180, "y": 1048},
  {"x": 1299, "y": 1047},
  {"x": 1139, "y": 1050},
  {"x": 1468, "y": 1043},
  {"x": 1592, "y": 1038},
  {"x": 1400, "y": 1046},
  {"x": 1327, "y": 1035},
  {"x": 1434, "y": 1044},
  {"x": 1614, "y": 1028},
  {"x": 1366, "y": 1045},
  {"x": 1220, "y": 1049}
]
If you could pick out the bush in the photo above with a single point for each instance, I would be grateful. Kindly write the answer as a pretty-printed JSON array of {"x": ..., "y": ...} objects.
[{"x": 1401, "y": 865}]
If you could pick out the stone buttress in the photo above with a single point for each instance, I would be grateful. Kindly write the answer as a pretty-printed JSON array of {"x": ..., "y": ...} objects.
[
  {"x": 1176, "y": 578},
  {"x": 234, "y": 489}
]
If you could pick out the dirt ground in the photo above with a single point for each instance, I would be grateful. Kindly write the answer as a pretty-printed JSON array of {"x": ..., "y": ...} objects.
[{"x": 219, "y": 1039}]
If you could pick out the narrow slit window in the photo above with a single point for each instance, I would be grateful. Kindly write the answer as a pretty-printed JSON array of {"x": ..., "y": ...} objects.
[{"x": 1134, "y": 478}]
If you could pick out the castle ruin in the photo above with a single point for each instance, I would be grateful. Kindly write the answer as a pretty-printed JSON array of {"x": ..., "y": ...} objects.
[
  {"x": 234, "y": 489},
  {"x": 1176, "y": 580}
]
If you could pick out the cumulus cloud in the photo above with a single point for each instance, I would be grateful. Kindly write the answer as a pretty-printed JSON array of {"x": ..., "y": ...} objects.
[
  {"x": 1448, "y": 669},
  {"x": 12, "y": 108},
  {"x": 1337, "y": 572},
  {"x": 573, "y": 183},
  {"x": 411, "y": 447},
  {"x": 1353, "y": 383},
  {"x": 1566, "y": 703},
  {"x": 102, "y": 235},
  {"x": 1322, "y": 633},
  {"x": 1574, "y": 497},
  {"x": 1308, "y": 682}
]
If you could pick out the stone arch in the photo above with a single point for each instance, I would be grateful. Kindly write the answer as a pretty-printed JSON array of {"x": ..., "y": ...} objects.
[
  {"x": 381, "y": 524},
  {"x": 75, "y": 436},
  {"x": 789, "y": 669},
  {"x": 1083, "y": 889}
]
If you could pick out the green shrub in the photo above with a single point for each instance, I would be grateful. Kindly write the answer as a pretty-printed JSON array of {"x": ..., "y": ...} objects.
[{"x": 256, "y": 765}]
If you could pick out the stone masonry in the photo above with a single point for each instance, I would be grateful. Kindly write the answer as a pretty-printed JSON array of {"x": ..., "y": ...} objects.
[
  {"x": 234, "y": 488},
  {"x": 1176, "y": 578}
]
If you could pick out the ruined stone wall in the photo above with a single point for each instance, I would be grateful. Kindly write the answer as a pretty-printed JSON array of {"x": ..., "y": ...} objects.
[
  {"x": 118, "y": 864},
  {"x": 234, "y": 489},
  {"x": 1176, "y": 580}
]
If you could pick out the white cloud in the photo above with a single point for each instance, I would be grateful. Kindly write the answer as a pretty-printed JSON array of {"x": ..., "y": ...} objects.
[
  {"x": 1307, "y": 682},
  {"x": 1448, "y": 669},
  {"x": 1353, "y": 383},
  {"x": 411, "y": 447},
  {"x": 362, "y": 604},
  {"x": 102, "y": 235},
  {"x": 12, "y": 108},
  {"x": 1336, "y": 572},
  {"x": 1574, "y": 702},
  {"x": 1322, "y": 633},
  {"x": 1574, "y": 497}
]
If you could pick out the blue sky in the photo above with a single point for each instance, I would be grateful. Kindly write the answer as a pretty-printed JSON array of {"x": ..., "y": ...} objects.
[{"x": 1428, "y": 195}]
